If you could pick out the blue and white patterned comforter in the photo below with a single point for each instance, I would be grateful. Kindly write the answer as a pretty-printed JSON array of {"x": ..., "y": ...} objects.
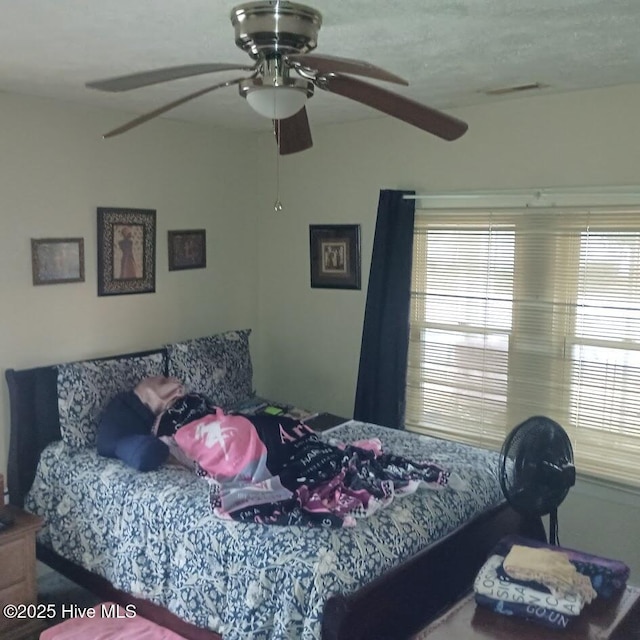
[{"x": 154, "y": 535}]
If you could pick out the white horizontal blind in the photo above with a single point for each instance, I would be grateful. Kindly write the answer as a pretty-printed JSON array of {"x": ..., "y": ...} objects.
[{"x": 523, "y": 312}]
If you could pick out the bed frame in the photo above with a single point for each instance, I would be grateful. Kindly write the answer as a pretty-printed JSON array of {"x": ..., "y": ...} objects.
[{"x": 392, "y": 607}]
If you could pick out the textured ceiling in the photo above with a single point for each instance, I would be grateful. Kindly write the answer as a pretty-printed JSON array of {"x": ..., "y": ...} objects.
[{"x": 450, "y": 51}]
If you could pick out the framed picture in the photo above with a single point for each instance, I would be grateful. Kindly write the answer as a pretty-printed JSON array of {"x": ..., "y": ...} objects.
[
  {"x": 187, "y": 249},
  {"x": 126, "y": 251},
  {"x": 57, "y": 260},
  {"x": 335, "y": 256}
]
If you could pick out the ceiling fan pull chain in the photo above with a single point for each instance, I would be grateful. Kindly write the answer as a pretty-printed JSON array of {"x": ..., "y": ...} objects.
[{"x": 277, "y": 206}]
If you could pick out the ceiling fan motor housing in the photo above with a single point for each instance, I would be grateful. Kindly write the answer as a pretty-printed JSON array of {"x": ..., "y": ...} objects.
[{"x": 268, "y": 28}]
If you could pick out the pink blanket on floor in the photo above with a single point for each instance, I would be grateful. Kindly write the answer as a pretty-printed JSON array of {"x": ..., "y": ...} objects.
[{"x": 107, "y": 622}]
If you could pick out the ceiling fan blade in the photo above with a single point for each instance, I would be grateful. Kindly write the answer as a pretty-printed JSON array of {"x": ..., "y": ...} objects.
[
  {"x": 167, "y": 107},
  {"x": 293, "y": 134},
  {"x": 334, "y": 64},
  {"x": 395, "y": 105},
  {"x": 156, "y": 76}
]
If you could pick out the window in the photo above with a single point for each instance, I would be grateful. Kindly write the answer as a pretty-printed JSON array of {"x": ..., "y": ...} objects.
[{"x": 528, "y": 312}]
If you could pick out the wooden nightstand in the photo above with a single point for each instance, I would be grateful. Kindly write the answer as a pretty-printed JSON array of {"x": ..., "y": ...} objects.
[
  {"x": 18, "y": 583},
  {"x": 614, "y": 619}
]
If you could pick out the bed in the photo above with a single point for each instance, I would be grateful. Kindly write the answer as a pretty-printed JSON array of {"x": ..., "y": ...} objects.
[{"x": 151, "y": 539}]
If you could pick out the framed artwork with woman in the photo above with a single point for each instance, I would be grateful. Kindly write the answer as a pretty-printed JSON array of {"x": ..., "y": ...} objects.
[{"x": 126, "y": 251}]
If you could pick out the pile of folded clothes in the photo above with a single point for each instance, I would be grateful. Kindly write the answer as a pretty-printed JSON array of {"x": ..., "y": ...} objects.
[{"x": 543, "y": 583}]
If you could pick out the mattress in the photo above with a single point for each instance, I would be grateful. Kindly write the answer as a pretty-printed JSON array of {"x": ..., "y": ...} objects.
[{"x": 154, "y": 535}]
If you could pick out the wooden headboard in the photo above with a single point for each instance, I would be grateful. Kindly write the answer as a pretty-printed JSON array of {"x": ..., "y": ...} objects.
[{"x": 34, "y": 420}]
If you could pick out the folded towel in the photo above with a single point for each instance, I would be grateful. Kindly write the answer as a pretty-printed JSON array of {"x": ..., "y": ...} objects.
[
  {"x": 532, "y": 584},
  {"x": 549, "y": 567},
  {"x": 488, "y": 583},
  {"x": 542, "y": 615},
  {"x": 607, "y": 576}
]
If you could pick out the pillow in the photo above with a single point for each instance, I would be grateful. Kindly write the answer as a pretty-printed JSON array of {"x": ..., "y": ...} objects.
[
  {"x": 85, "y": 388},
  {"x": 124, "y": 432},
  {"x": 159, "y": 392},
  {"x": 142, "y": 452},
  {"x": 218, "y": 366},
  {"x": 125, "y": 415}
]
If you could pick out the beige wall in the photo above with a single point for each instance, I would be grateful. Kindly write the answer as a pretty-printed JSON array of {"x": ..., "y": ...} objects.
[
  {"x": 55, "y": 170},
  {"x": 580, "y": 139},
  {"x": 312, "y": 336}
]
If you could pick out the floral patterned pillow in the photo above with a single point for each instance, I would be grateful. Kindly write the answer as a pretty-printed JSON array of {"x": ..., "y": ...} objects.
[
  {"x": 85, "y": 388},
  {"x": 218, "y": 366}
]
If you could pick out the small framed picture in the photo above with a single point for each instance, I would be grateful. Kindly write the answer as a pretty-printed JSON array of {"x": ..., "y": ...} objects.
[
  {"x": 187, "y": 249},
  {"x": 57, "y": 260},
  {"x": 126, "y": 251},
  {"x": 335, "y": 256}
]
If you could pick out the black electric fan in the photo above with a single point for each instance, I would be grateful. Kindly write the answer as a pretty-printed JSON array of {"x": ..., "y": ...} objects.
[{"x": 536, "y": 469}]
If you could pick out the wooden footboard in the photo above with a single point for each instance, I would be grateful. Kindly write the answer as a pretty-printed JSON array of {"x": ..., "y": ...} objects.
[
  {"x": 393, "y": 607},
  {"x": 402, "y": 601}
]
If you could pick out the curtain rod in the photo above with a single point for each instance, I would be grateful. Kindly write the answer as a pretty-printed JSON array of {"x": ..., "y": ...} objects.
[
  {"x": 547, "y": 196},
  {"x": 631, "y": 190}
]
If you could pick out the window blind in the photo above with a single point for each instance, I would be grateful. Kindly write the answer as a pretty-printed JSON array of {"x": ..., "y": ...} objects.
[{"x": 528, "y": 312}]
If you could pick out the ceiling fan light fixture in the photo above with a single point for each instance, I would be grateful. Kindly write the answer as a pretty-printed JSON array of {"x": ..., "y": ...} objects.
[
  {"x": 278, "y": 100},
  {"x": 276, "y": 103}
]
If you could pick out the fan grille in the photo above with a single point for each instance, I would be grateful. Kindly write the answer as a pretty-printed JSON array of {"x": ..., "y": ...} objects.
[{"x": 537, "y": 469}]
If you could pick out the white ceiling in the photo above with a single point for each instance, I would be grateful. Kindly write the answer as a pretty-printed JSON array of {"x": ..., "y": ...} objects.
[{"x": 450, "y": 51}]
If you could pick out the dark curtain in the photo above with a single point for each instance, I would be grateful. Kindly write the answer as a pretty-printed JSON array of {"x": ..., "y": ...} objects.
[{"x": 382, "y": 375}]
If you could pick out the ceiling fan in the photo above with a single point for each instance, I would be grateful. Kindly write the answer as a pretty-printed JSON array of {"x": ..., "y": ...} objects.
[{"x": 278, "y": 35}]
